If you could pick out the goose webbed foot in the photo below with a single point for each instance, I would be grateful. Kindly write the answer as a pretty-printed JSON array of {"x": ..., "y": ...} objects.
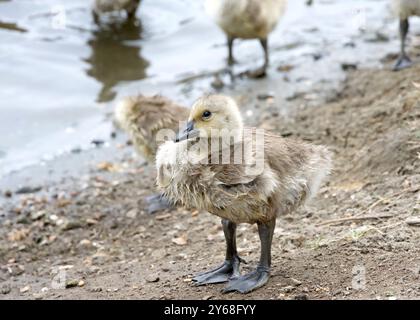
[
  {"x": 403, "y": 62},
  {"x": 257, "y": 73},
  {"x": 248, "y": 282},
  {"x": 228, "y": 270},
  {"x": 157, "y": 203},
  {"x": 231, "y": 61},
  {"x": 262, "y": 71}
]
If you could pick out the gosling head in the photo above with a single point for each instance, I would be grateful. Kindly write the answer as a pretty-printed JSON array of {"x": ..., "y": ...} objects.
[{"x": 212, "y": 116}]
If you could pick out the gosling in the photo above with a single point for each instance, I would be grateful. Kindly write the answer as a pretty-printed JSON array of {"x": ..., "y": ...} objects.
[
  {"x": 247, "y": 19},
  {"x": 105, "y": 6},
  {"x": 274, "y": 178},
  {"x": 405, "y": 9},
  {"x": 143, "y": 118}
]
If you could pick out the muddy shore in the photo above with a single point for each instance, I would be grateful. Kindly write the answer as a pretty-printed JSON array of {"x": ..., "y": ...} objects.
[{"x": 88, "y": 236}]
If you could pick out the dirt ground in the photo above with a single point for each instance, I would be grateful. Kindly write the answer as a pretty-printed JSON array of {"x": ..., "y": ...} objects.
[{"x": 358, "y": 239}]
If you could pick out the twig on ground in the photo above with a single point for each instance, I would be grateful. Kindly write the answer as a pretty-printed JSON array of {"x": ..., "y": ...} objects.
[
  {"x": 354, "y": 218},
  {"x": 397, "y": 195}
]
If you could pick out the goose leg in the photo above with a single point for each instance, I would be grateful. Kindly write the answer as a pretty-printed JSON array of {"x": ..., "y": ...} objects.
[
  {"x": 231, "y": 60},
  {"x": 403, "y": 60},
  {"x": 261, "y": 72},
  {"x": 158, "y": 202},
  {"x": 229, "y": 268},
  {"x": 259, "y": 277},
  {"x": 131, "y": 12},
  {"x": 95, "y": 16}
]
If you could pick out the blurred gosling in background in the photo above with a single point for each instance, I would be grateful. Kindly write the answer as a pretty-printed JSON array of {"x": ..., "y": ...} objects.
[
  {"x": 106, "y": 6},
  {"x": 142, "y": 118},
  {"x": 247, "y": 19},
  {"x": 404, "y": 10}
]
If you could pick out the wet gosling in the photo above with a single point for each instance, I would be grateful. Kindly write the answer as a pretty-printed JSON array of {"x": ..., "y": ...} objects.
[
  {"x": 247, "y": 19},
  {"x": 404, "y": 9},
  {"x": 273, "y": 179},
  {"x": 142, "y": 118}
]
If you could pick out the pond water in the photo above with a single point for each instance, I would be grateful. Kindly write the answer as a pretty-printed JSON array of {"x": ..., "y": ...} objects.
[{"x": 61, "y": 74}]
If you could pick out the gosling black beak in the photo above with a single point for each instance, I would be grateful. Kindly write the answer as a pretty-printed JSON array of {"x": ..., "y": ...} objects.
[{"x": 188, "y": 133}]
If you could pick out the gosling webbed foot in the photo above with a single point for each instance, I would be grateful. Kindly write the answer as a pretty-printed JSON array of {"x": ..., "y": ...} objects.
[
  {"x": 231, "y": 61},
  {"x": 257, "y": 73},
  {"x": 228, "y": 270},
  {"x": 248, "y": 282},
  {"x": 403, "y": 62},
  {"x": 157, "y": 203}
]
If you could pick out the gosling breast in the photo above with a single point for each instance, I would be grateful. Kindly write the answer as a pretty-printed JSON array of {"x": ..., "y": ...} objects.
[{"x": 290, "y": 172}]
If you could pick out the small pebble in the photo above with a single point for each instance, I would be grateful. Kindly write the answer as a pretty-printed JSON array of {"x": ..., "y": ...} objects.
[
  {"x": 5, "y": 289},
  {"x": 72, "y": 284},
  {"x": 152, "y": 278}
]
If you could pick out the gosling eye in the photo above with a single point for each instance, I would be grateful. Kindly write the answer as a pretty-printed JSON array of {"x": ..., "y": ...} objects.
[{"x": 206, "y": 115}]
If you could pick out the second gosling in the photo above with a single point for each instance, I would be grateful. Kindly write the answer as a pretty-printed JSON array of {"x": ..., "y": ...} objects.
[
  {"x": 247, "y": 19},
  {"x": 142, "y": 118},
  {"x": 285, "y": 174}
]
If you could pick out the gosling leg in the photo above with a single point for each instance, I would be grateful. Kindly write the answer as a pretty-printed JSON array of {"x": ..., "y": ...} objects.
[
  {"x": 403, "y": 60},
  {"x": 230, "y": 41},
  {"x": 157, "y": 203},
  {"x": 262, "y": 71},
  {"x": 259, "y": 277},
  {"x": 131, "y": 13},
  {"x": 229, "y": 268},
  {"x": 95, "y": 17}
]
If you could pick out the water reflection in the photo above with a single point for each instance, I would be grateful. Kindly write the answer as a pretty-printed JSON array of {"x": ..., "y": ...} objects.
[
  {"x": 11, "y": 27},
  {"x": 115, "y": 57}
]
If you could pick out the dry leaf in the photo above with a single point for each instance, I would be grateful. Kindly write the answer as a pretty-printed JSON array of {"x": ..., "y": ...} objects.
[
  {"x": 108, "y": 166},
  {"x": 163, "y": 216},
  {"x": 18, "y": 235},
  {"x": 285, "y": 68},
  {"x": 181, "y": 241},
  {"x": 91, "y": 221},
  {"x": 63, "y": 203}
]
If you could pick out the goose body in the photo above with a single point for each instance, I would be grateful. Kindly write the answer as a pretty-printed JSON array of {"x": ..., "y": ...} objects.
[
  {"x": 274, "y": 177},
  {"x": 404, "y": 9},
  {"x": 292, "y": 173},
  {"x": 247, "y": 19}
]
